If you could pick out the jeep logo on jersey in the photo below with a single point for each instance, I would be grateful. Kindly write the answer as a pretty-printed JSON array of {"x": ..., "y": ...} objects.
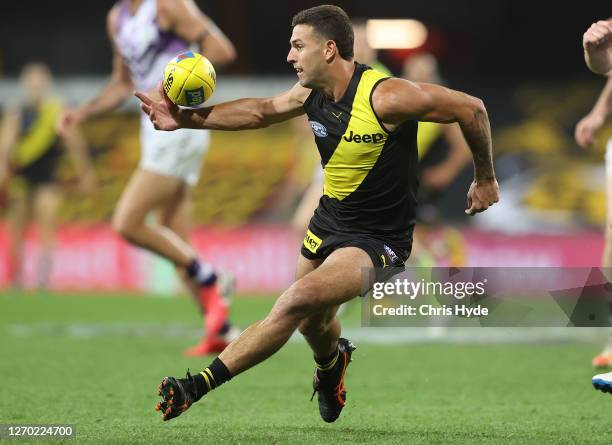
[
  {"x": 367, "y": 138},
  {"x": 318, "y": 129}
]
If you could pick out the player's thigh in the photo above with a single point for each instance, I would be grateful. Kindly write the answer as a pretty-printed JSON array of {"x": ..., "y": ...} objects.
[
  {"x": 337, "y": 280},
  {"x": 145, "y": 192},
  {"x": 175, "y": 213},
  {"x": 18, "y": 212},
  {"x": 47, "y": 200}
]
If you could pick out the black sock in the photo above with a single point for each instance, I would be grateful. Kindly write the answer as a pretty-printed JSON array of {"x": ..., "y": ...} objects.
[
  {"x": 609, "y": 313},
  {"x": 195, "y": 272},
  {"x": 328, "y": 364},
  {"x": 210, "y": 378},
  {"x": 225, "y": 328}
]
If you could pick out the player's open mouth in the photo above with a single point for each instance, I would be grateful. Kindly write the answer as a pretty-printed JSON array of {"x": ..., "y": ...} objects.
[{"x": 298, "y": 70}]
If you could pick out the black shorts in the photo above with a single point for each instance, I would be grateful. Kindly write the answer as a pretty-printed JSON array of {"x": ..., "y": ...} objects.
[
  {"x": 319, "y": 243},
  {"x": 44, "y": 170}
]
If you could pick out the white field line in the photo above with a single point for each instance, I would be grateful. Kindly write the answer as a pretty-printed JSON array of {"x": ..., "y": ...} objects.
[{"x": 362, "y": 335}]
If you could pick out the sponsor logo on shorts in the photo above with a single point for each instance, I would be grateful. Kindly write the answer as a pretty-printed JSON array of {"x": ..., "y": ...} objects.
[
  {"x": 374, "y": 138},
  {"x": 318, "y": 129},
  {"x": 312, "y": 241},
  {"x": 392, "y": 255},
  {"x": 384, "y": 261}
]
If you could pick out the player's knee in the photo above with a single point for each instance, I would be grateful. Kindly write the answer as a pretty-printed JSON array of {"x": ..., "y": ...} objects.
[
  {"x": 124, "y": 226},
  {"x": 303, "y": 298}
]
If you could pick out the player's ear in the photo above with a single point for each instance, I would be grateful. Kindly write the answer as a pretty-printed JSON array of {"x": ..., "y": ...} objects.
[{"x": 330, "y": 50}]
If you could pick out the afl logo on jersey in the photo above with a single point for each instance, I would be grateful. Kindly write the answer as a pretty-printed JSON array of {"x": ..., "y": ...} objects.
[{"x": 318, "y": 129}]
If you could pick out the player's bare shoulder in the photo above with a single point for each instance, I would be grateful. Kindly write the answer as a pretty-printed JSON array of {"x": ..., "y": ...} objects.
[
  {"x": 112, "y": 18},
  {"x": 167, "y": 10},
  {"x": 171, "y": 11},
  {"x": 390, "y": 97}
]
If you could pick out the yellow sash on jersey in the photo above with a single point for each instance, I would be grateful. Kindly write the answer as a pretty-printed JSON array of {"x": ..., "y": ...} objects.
[
  {"x": 360, "y": 146},
  {"x": 40, "y": 137},
  {"x": 428, "y": 133}
]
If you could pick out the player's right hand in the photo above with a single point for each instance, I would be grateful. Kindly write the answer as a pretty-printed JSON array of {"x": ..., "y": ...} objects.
[
  {"x": 587, "y": 128},
  {"x": 164, "y": 114},
  {"x": 598, "y": 36},
  {"x": 482, "y": 195}
]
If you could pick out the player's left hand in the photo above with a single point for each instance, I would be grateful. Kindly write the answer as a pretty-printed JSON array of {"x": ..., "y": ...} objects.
[
  {"x": 164, "y": 114},
  {"x": 598, "y": 36},
  {"x": 587, "y": 128},
  {"x": 482, "y": 195}
]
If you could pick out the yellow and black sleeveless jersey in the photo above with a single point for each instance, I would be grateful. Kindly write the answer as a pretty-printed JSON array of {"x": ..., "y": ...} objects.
[
  {"x": 37, "y": 154},
  {"x": 370, "y": 174}
]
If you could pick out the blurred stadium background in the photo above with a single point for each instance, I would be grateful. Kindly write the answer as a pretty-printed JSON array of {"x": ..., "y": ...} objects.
[
  {"x": 524, "y": 59},
  {"x": 532, "y": 78}
]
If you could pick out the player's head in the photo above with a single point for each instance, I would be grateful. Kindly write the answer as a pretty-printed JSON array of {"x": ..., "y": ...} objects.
[
  {"x": 36, "y": 81},
  {"x": 321, "y": 36},
  {"x": 364, "y": 53},
  {"x": 422, "y": 67}
]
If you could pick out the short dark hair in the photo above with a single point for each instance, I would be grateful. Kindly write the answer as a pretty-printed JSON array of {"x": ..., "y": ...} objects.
[{"x": 332, "y": 23}]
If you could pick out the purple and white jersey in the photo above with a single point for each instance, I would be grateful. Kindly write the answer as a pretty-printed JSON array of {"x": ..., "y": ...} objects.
[{"x": 145, "y": 48}]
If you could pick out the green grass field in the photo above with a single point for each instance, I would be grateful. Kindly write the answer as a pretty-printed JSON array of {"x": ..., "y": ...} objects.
[{"x": 95, "y": 362}]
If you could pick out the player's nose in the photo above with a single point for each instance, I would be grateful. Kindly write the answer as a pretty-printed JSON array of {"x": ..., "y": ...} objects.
[{"x": 291, "y": 56}]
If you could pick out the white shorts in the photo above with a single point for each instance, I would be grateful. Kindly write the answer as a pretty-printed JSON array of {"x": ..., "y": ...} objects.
[{"x": 176, "y": 153}]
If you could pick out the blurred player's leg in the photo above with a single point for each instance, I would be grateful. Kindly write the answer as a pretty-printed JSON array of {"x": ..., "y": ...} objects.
[
  {"x": 18, "y": 213},
  {"x": 603, "y": 382},
  {"x": 175, "y": 214},
  {"x": 148, "y": 191},
  {"x": 604, "y": 359},
  {"x": 606, "y": 260},
  {"x": 47, "y": 199}
]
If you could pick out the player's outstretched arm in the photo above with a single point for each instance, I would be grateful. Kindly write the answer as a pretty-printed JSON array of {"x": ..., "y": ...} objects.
[
  {"x": 113, "y": 94},
  {"x": 186, "y": 20},
  {"x": 397, "y": 100},
  {"x": 241, "y": 114},
  {"x": 597, "y": 44},
  {"x": 9, "y": 134}
]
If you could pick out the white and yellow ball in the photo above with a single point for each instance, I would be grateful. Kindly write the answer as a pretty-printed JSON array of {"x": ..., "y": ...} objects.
[{"x": 189, "y": 79}]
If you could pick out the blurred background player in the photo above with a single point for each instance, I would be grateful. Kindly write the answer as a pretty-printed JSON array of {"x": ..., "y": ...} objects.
[
  {"x": 364, "y": 53},
  {"x": 30, "y": 154},
  {"x": 597, "y": 44},
  {"x": 146, "y": 35},
  {"x": 443, "y": 155}
]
